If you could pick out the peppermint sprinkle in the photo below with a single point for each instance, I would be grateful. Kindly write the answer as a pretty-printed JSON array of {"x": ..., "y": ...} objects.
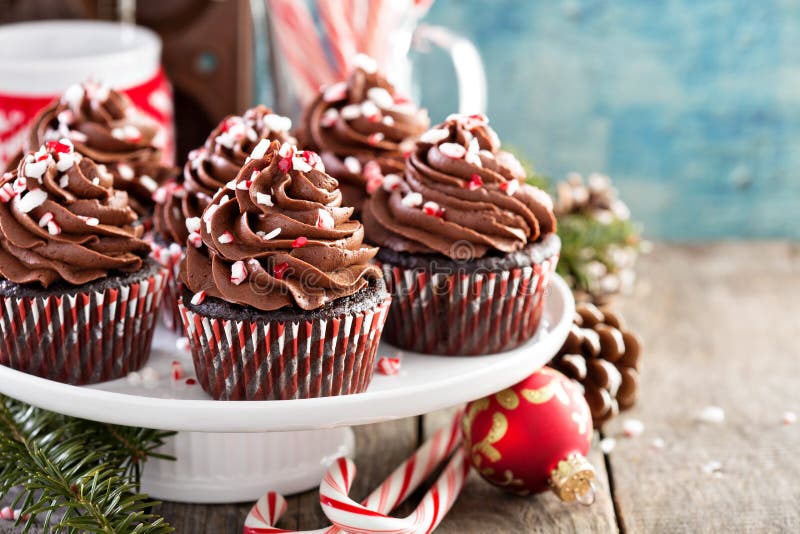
[
  {"x": 380, "y": 97},
  {"x": 260, "y": 149},
  {"x": 20, "y": 185},
  {"x": 300, "y": 242},
  {"x": 279, "y": 270},
  {"x": 366, "y": 63},
  {"x": 53, "y": 228},
  {"x": 238, "y": 273},
  {"x": 335, "y": 92},
  {"x": 391, "y": 182},
  {"x": 375, "y": 138},
  {"x": 711, "y": 414},
  {"x": 299, "y": 163},
  {"x": 435, "y": 135},
  {"x": 388, "y": 120},
  {"x": 32, "y": 200},
  {"x": 264, "y": 199},
  {"x": 45, "y": 219},
  {"x": 63, "y": 182},
  {"x": 272, "y": 234},
  {"x": 278, "y": 123},
  {"x": 148, "y": 183},
  {"x": 125, "y": 171},
  {"x": 182, "y": 343},
  {"x": 193, "y": 224},
  {"x": 352, "y": 165},
  {"x": 412, "y": 200},
  {"x": 329, "y": 118},
  {"x": 285, "y": 165},
  {"x": 433, "y": 209},
  {"x": 198, "y": 298},
  {"x": 475, "y": 182},
  {"x": 370, "y": 110},
  {"x": 90, "y": 221},
  {"x": 225, "y": 238},
  {"x": 73, "y": 97},
  {"x": 452, "y": 150},
  {"x": 632, "y": 428},
  {"x": 607, "y": 445},
  {"x": 65, "y": 162},
  {"x": 388, "y": 366},
  {"x": 35, "y": 169},
  {"x": 325, "y": 220},
  {"x": 195, "y": 239},
  {"x": 789, "y": 418},
  {"x": 231, "y": 185},
  {"x": 510, "y": 187},
  {"x": 7, "y": 192},
  {"x": 287, "y": 150},
  {"x": 353, "y": 111},
  {"x": 208, "y": 214},
  {"x": 160, "y": 196}
]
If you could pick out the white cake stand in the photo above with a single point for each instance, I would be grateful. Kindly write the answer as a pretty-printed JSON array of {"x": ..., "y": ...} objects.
[{"x": 234, "y": 451}]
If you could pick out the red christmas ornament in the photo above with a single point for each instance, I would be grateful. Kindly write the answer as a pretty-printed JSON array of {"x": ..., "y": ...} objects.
[{"x": 533, "y": 436}]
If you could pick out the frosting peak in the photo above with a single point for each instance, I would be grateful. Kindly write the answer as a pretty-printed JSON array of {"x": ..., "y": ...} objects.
[
  {"x": 213, "y": 165},
  {"x": 105, "y": 126},
  {"x": 460, "y": 196},
  {"x": 277, "y": 236},
  {"x": 61, "y": 219},
  {"x": 362, "y": 128}
]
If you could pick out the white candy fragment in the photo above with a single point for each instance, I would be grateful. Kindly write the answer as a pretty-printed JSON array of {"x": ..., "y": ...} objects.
[
  {"x": 711, "y": 414},
  {"x": 632, "y": 428}
]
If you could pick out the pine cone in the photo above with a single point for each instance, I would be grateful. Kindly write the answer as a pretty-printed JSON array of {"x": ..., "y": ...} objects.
[{"x": 603, "y": 356}]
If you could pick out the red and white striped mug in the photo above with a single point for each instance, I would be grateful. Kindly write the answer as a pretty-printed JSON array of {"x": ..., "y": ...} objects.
[{"x": 39, "y": 60}]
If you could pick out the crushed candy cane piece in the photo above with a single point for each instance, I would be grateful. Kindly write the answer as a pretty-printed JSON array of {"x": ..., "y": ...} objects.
[
  {"x": 607, "y": 445},
  {"x": 182, "y": 343},
  {"x": 264, "y": 199},
  {"x": 32, "y": 200},
  {"x": 225, "y": 238},
  {"x": 329, "y": 118},
  {"x": 391, "y": 182},
  {"x": 433, "y": 209},
  {"x": 260, "y": 149},
  {"x": 388, "y": 366},
  {"x": 53, "y": 228},
  {"x": 300, "y": 242},
  {"x": 272, "y": 234},
  {"x": 380, "y": 97},
  {"x": 375, "y": 138},
  {"x": 711, "y": 414},
  {"x": 789, "y": 418},
  {"x": 198, "y": 298},
  {"x": 632, "y": 428},
  {"x": 279, "y": 270},
  {"x": 412, "y": 200},
  {"x": 475, "y": 182},
  {"x": 435, "y": 135},
  {"x": 366, "y": 63},
  {"x": 325, "y": 219},
  {"x": 335, "y": 92},
  {"x": 177, "y": 370},
  {"x": 510, "y": 187},
  {"x": 352, "y": 165},
  {"x": 238, "y": 273},
  {"x": 193, "y": 224},
  {"x": 711, "y": 467},
  {"x": 195, "y": 239},
  {"x": 452, "y": 150}
]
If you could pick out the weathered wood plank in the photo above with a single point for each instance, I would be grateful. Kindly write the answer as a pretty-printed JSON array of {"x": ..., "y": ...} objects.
[
  {"x": 482, "y": 508},
  {"x": 720, "y": 324}
]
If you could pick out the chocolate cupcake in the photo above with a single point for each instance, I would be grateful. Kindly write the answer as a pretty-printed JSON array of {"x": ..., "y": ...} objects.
[
  {"x": 107, "y": 127},
  {"x": 281, "y": 300},
  {"x": 79, "y": 294},
  {"x": 362, "y": 128},
  {"x": 208, "y": 169},
  {"x": 467, "y": 248}
]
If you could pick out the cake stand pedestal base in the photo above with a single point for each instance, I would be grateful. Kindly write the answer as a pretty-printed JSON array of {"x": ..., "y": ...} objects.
[{"x": 233, "y": 467}]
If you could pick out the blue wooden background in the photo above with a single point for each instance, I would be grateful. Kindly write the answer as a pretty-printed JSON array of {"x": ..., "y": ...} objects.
[{"x": 692, "y": 106}]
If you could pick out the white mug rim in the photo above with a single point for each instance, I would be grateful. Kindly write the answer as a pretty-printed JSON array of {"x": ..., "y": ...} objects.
[{"x": 47, "y": 76}]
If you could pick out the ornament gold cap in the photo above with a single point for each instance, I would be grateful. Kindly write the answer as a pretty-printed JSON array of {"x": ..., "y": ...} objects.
[{"x": 573, "y": 479}]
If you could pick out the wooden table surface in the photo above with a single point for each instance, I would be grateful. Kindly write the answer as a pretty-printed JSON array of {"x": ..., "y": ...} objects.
[{"x": 720, "y": 323}]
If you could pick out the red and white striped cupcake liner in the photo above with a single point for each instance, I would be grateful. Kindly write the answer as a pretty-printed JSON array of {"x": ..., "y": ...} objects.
[
  {"x": 170, "y": 257},
  {"x": 465, "y": 313},
  {"x": 269, "y": 360},
  {"x": 84, "y": 337}
]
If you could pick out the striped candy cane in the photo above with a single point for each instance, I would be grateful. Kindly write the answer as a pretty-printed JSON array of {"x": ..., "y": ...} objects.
[{"x": 394, "y": 490}]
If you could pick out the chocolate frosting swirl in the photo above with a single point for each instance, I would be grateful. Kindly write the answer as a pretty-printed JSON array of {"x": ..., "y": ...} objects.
[
  {"x": 213, "y": 165},
  {"x": 354, "y": 123},
  {"x": 105, "y": 126},
  {"x": 460, "y": 196},
  {"x": 61, "y": 220},
  {"x": 278, "y": 237}
]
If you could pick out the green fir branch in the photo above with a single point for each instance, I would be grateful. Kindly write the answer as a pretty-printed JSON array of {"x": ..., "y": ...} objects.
[{"x": 85, "y": 471}]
